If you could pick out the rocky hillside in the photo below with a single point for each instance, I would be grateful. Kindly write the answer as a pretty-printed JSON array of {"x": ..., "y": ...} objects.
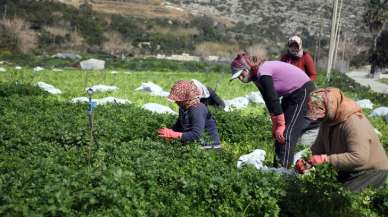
[
  {"x": 279, "y": 19},
  {"x": 202, "y": 27},
  {"x": 272, "y": 20}
]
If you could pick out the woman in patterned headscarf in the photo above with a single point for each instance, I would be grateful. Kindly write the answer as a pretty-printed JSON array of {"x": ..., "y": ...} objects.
[
  {"x": 194, "y": 117},
  {"x": 346, "y": 140}
]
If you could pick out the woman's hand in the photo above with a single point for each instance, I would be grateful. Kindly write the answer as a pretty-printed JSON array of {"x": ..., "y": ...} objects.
[{"x": 167, "y": 133}]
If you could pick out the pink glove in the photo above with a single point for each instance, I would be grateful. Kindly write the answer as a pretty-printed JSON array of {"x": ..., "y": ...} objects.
[
  {"x": 169, "y": 134},
  {"x": 278, "y": 127},
  {"x": 318, "y": 159}
]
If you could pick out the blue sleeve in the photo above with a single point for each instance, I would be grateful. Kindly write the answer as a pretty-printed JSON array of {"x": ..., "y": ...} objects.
[
  {"x": 178, "y": 126},
  {"x": 198, "y": 118}
]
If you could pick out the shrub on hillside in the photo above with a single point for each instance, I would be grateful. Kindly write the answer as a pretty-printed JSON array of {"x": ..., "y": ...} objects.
[
  {"x": 115, "y": 45},
  {"x": 258, "y": 50},
  {"x": 206, "y": 49},
  {"x": 16, "y": 36}
]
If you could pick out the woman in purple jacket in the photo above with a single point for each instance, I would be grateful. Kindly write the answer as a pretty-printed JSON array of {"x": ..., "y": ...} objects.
[{"x": 277, "y": 79}]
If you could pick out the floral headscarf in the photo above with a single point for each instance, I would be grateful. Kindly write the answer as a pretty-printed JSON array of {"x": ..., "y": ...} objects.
[
  {"x": 185, "y": 92},
  {"x": 331, "y": 104},
  {"x": 317, "y": 104}
]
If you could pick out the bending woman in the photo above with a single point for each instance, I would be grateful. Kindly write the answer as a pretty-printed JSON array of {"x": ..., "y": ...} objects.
[
  {"x": 194, "y": 117},
  {"x": 277, "y": 79}
]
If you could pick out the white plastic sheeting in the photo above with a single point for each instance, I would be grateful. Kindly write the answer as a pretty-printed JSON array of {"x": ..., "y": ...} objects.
[
  {"x": 243, "y": 101},
  {"x": 255, "y": 97},
  {"x": 256, "y": 159},
  {"x": 48, "y": 87},
  {"x": 157, "y": 108},
  {"x": 365, "y": 104},
  {"x": 380, "y": 112},
  {"x": 92, "y": 64},
  {"x": 103, "y": 101},
  {"x": 153, "y": 89},
  {"x": 103, "y": 88},
  {"x": 202, "y": 88},
  {"x": 2, "y": 69},
  {"x": 38, "y": 68},
  {"x": 236, "y": 103},
  {"x": 378, "y": 132}
]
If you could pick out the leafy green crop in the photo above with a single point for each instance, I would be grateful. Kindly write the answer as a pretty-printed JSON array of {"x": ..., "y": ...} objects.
[{"x": 48, "y": 168}]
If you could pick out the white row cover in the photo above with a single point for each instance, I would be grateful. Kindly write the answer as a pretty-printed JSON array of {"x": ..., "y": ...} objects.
[
  {"x": 380, "y": 112},
  {"x": 103, "y": 88},
  {"x": 38, "y": 68},
  {"x": 365, "y": 104},
  {"x": 157, "y": 108},
  {"x": 103, "y": 101},
  {"x": 153, "y": 89},
  {"x": 48, "y": 87},
  {"x": 243, "y": 101}
]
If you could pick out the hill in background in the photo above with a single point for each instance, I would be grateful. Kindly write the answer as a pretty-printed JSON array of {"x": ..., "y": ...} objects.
[{"x": 201, "y": 27}]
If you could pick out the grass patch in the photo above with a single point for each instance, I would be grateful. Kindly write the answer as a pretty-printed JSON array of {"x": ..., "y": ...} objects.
[{"x": 384, "y": 80}]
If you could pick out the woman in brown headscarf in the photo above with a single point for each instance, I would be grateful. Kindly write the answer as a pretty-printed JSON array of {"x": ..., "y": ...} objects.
[
  {"x": 194, "y": 117},
  {"x": 346, "y": 140}
]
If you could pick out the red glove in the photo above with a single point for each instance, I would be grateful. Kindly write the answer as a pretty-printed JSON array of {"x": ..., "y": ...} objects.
[
  {"x": 169, "y": 134},
  {"x": 318, "y": 159},
  {"x": 278, "y": 127},
  {"x": 299, "y": 166}
]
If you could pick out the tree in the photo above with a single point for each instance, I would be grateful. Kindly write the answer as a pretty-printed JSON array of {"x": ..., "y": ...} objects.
[
  {"x": 380, "y": 56},
  {"x": 376, "y": 17}
]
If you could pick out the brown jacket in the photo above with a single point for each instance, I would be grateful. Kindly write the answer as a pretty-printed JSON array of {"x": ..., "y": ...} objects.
[{"x": 348, "y": 138}]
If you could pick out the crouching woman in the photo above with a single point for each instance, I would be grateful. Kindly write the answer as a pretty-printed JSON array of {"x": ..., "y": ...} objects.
[
  {"x": 347, "y": 140},
  {"x": 194, "y": 117}
]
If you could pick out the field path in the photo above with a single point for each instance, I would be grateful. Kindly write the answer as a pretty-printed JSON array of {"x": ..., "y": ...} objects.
[{"x": 361, "y": 77}]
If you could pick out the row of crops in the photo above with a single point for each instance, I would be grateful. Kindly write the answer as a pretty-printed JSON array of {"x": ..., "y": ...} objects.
[{"x": 49, "y": 167}]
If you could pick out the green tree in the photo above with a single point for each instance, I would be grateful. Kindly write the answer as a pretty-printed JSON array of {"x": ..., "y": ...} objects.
[
  {"x": 376, "y": 17},
  {"x": 380, "y": 56}
]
